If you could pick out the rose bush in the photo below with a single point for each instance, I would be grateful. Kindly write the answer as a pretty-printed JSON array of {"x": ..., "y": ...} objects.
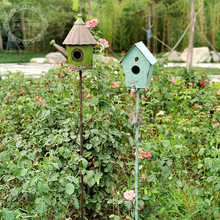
[{"x": 39, "y": 146}]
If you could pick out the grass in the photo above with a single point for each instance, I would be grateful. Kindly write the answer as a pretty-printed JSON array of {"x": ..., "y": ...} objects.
[
  {"x": 206, "y": 71},
  {"x": 16, "y": 57}
]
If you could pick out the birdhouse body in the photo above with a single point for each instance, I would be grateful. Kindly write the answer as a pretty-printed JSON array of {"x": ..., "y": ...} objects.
[
  {"x": 80, "y": 56},
  {"x": 138, "y": 66}
]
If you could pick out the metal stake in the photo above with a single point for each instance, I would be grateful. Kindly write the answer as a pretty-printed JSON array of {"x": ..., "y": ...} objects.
[
  {"x": 136, "y": 159},
  {"x": 81, "y": 141}
]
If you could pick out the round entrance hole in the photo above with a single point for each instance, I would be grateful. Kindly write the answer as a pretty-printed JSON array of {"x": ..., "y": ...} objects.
[
  {"x": 77, "y": 55},
  {"x": 135, "y": 69}
]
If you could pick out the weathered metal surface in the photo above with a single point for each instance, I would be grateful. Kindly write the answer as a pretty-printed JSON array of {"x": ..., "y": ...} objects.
[
  {"x": 62, "y": 50},
  {"x": 136, "y": 158},
  {"x": 81, "y": 143},
  {"x": 74, "y": 68},
  {"x": 79, "y": 35},
  {"x": 138, "y": 66}
]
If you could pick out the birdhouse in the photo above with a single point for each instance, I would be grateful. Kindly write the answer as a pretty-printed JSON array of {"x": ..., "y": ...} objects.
[
  {"x": 138, "y": 66},
  {"x": 79, "y": 46}
]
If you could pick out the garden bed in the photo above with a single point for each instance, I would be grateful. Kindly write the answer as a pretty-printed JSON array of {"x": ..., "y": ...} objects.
[{"x": 39, "y": 146}]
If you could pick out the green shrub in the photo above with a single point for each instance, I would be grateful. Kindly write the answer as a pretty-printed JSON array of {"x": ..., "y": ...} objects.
[{"x": 39, "y": 146}]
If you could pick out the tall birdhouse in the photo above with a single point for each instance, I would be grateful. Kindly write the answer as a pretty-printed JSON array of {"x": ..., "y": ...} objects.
[
  {"x": 138, "y": 66},
  {"x": 79, "y": 46}
]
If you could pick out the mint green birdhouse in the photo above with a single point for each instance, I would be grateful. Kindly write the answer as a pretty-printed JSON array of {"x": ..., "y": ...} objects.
[
  {"x": 138, "y": 66},
  {"x": 79, "y": 46}
]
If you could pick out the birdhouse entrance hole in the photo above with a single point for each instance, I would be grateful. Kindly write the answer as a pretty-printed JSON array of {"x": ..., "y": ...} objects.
[
  {"x": 77, "y": 55},
  {"x": 135, "y": 69}
]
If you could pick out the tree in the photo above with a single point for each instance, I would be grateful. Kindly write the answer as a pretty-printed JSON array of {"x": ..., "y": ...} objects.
[{"x": 191, "y": 37}]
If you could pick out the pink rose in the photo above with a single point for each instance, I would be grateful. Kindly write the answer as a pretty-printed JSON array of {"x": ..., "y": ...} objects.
[
  {"x": 173, "y": 80},
  {"x": 169, "y": 117},
  {"x": 147, "y": 89},
  {"x": 92, "y": 23},
  {"x": 129, "y": 195},
  {"x": 21, "y": 91},
  {"x": 147, "y": 155},
  {"x": 143, "y": 176},
  {"x": 104, "y": 42},
  {"x": 39, "y": 102},
  {"x": 143, "y": 97},
  {"x": 115, "y": 85},
  {"x": 202, "y": 83}
]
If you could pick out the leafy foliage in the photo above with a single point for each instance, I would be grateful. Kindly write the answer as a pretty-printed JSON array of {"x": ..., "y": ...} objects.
[{"x": 39, "y": 146}]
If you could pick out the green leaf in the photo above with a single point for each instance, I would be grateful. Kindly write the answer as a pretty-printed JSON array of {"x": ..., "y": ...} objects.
[
  {"x": 14, "y": 192},
  {"x": 95, "y": 131},
  {"x": 56, "y": 165},
  {"x": 166, "y": 143},
  {"x": 41, "y": 207},
  {"x": 116, "y": 217},
  {"x": 84, "y": 163},
  {"x": 166, "y": 172},
  {"x": 91, "y": 182},
  {"x": 208, "y": 162},
  {"x": 151, "y": 178},
  {"x": 31, "y": 156},
  {"x": 24, "y": 172},
  {"x": 43, "y": 187},
  {"x": 90, "y": 174},
  {"x": 76, "y": 203},
  {"x": 200, "y": 166},
  {"x": 88, "y": 146},
  {"x": 61, "y": 150},
  {"x": 97, "y": 178},
  {"x": 54, "y": 176},
  {"x": 63, "y": 201},
  {"x": 67, "y": 152},
  {"x": 95, "y": 141},
  {"x": 141, "y": 203},
  {"x": 201, "y": 151},
  {"x": 128, "y": 204},
  {"x": 8, "y": 215},
  {"x": 160, "y": 163},
  {"x": 70, "y": 188},
  {"x": 209, "y": 179},
  {"x": 179, "y": 183}
]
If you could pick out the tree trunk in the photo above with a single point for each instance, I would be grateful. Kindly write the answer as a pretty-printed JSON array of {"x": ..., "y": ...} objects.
[
  {"x": 80, "y": 6},
  {"x": 89, "y": 10},
  {"x": 191, "y": 37},
  {"x": 149, "y": 24},
  {"x": 1, "y": 44}
]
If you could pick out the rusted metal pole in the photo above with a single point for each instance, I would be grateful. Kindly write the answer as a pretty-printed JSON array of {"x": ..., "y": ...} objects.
[{"x": 81, "y": 141}]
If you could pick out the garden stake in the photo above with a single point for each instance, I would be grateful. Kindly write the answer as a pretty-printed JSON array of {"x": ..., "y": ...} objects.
[
  {"x": 79, "y": 52},
  {"x": 136, "y": 158},
  {"x": 138, "y": 67},
  {"x": 81, "y": 142}
]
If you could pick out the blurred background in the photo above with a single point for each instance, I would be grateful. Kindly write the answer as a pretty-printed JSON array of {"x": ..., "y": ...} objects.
[{"x": 158, "y": 23}]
